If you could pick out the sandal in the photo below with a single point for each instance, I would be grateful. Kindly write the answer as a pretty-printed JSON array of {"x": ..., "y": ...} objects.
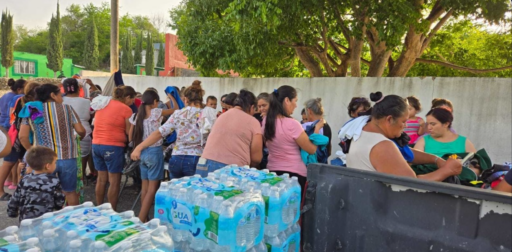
[
  {"x": 5, "y": 197},
  {"x": 7, "y": 183},
  {"x": 12, "y": 187}
]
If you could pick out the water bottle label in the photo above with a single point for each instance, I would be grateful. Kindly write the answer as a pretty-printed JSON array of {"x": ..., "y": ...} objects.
[
  {"x": 259, "y": 176},
  {"x": 211, "y": 230},
  {"x": 114, "y": 237},
  {"x": 3, "y": 242},
  {"x": 181, "y": 214},
  {"x": 216, "y": 188},
  {"x": 10, "y": 248},
  {"x": 267, "y": 203}
]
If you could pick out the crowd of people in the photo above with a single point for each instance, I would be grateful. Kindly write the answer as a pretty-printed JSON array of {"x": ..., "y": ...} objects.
[{"x": 52, "y": 133}]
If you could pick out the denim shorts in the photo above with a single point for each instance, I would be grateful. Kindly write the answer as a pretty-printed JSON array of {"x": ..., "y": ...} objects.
[
  {"x": 66, "y": 170},
  {"x": 108, "y": 158},
  {"x": 205, "y": 166},
  {"x": 152, "y": 163},
  {"x": 182, "y": 165},
  {"x": 14, "y": 156}
]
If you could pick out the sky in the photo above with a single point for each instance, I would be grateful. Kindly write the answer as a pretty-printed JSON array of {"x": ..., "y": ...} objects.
[{"x": 37, "y": 13}]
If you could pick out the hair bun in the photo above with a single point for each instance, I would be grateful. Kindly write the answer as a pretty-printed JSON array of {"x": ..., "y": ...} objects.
[
  {"x": 374, "y": 97},
  {"x": 318, "y": 99},
  {"x": 11, "y": 82},
  {"x": 196, "y": 84}
]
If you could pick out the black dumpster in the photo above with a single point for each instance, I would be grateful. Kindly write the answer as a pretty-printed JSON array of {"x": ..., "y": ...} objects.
[{"x": 354, "y": 210}]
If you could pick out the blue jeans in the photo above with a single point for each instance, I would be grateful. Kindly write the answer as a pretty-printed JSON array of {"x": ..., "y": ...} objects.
[
  {"x": 152, "y": 163},
  {"x": 182, "y": 165},
  {"x": 67, "y": 170},
  {"x": 108, "y": 158},
  {"x": 205, "y": 166}
]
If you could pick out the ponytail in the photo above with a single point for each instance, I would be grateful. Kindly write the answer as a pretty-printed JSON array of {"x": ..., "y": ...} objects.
[
  {"x": 276, "y": 109},
  {"x": 148, "y": 99}
]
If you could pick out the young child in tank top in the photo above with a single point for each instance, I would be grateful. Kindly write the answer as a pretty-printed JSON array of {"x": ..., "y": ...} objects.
[{"x": 415, "y": 125}]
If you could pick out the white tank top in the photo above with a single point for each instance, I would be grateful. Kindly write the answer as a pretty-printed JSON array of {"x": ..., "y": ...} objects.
[{"x": 358, "y": 156}]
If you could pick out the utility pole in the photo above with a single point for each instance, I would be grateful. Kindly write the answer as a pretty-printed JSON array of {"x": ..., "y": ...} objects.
[{"x": 114, "y": 35}]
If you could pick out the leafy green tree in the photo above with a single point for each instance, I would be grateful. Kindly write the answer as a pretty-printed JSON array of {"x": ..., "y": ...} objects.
[
  {"x": 150, "y": 56},
  {"x": 35, "y": 42},
  {"x": 54, "y": 53},
  {"x": 127, "y": 63},
  {"x": 91, "y": 52},
  {"x": 330, "y": 38},
  {"x": 7, "y": 41},
  {"x": 137, "y": 56},
  {"x": 161, "y": 56}
]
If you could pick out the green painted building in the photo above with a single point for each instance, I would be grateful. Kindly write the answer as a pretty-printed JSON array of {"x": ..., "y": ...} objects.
[{"x": 34, "y": 65}]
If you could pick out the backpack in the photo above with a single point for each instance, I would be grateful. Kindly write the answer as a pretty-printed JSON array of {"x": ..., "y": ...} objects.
[{"x": 321, "y": 152}]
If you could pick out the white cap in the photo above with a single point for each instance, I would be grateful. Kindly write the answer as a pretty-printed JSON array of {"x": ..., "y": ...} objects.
[
  {"x": 10, "y": 238},
  {"x": 36, "y": 249},
  {"x": 68, "y": 208},
  {"x": 127, "y": 214},
  {"x": 164, "y": 185},
  {"x": 197, "y": 176},
  {"x": 48, "y": 233},
  {"x": 162, "y": 229},
  {"x": 75, "y": 244},
  {"x": 72, "y": 234},
  {"x": 135, "y": 219},
  {"x": 26, "y": 222},
  {"x": 198, "y": 191},
  {"x": 266, "y": 170},
  {"x": 105, "y": 206},
  {"x": 154, "y": 223},
  {"x": 88, "y": 204},
  {"x": 11, "y": 229},
  {"x": 47, "y": 215},
  {"x": 145, "y": 236},
  {"x": 32, "y": 241},
  {"x": 47, "y": 225},
  {"x": 99, "y": 245}
]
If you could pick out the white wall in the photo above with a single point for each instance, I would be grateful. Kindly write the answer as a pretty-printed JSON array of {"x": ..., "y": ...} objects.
[{"x": 483, "y": 106}]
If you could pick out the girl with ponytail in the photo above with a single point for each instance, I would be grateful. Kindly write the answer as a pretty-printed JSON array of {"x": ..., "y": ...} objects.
[
  {"x": 284, "y": 136},
  {"x": 147, "y": 120}
]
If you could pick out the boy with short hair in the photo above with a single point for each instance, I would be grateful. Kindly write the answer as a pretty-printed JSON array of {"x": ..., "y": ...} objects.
[
  {"x": 211, "y": 102},
  {"x": 38, "y": 192}
]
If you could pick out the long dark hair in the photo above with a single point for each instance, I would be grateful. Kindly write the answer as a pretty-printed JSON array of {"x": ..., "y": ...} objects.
[
  {"x": 246, "y": 99},
  {"x": 45, "y": 91},
  {"x": 148, "y": 98},
  {"x": 276, "y": 109}
]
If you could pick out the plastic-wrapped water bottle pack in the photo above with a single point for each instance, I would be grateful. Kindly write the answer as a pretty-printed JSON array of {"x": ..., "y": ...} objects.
[
  {"x": 233, "y": 209},
  {"x": 87, "y": 228}
]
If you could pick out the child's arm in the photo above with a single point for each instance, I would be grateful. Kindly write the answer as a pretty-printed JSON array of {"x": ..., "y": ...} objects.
[
  {"x": 423, "y": 127},
  {"x": 58, "y": 198},
  {"x": 14, "y": 202}
]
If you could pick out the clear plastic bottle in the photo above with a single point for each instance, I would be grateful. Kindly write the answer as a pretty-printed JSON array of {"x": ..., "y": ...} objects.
[
  {"x": 50, "y": 241},
  {"x": 33, "y": 250},
  {"x": 27, "y": 230},
  {"x": 70, "y": 237},
  {"x": 75, "y": 246},
  {"x": 99, "y": 246},
  {"x": 10, "y": 231},
  {"x": 274, "y": 242},
  {"x": 154, "y": 223},
  {"x": 261, "y": 247},
  {"x": 10, "y": 239},
  {"x": 273, "y": 198},
  {"x": 161, "y": 240}
]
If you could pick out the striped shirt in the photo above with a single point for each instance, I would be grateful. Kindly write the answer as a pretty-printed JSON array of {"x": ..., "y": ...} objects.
[
  {"x": 412, "y": 128},
  {"x": 57, "y": 131}
]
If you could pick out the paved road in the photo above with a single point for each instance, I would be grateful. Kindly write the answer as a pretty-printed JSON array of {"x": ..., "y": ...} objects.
[{"x": 125, "y": 202}]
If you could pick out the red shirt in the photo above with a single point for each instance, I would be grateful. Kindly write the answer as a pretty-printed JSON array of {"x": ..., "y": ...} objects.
[{"x": 137, "y": 102}]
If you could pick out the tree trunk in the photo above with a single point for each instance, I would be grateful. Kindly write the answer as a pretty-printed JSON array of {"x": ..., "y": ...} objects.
[
  {"x": 7, "y": 72},
  {"x": 380, "y": 56},
  {"x": 55, "y": 75},
  {"x": 309, "y": 62},
  {"x": 356, "y": 48},
  {"x": 412, "y": 50}
]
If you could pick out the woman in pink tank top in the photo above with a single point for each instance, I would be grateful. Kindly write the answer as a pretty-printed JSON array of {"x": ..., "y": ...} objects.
[{"x": 415, "y": 126}]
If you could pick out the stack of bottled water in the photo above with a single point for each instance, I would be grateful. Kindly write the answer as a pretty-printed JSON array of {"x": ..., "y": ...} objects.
[
  {"x": 282, "y": 196},
  {"x": 87, "y": 228},
  {"x": 209, "y": 216}
]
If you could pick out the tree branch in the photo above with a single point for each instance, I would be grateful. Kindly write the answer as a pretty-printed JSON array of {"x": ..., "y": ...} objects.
[
  {"x": 337, "y": 51},
  {"x": 462, "y": 68},
  {"x": 436, "y": 12},
  {"x": 436, "y": 29},
  {"x": 341, "y": 22}
]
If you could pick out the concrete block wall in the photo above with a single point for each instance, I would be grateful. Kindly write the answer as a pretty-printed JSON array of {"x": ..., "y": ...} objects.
[{"x": 482, "y": 106}]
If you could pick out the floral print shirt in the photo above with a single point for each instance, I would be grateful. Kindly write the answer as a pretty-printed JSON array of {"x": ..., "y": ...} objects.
[{"x": 189, "y": 124}]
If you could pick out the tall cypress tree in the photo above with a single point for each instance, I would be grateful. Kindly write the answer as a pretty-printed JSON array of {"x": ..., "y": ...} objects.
[
  {"x": 150, "y": 56},
  {"x": 7, "y": 42},
  {"x": 137, "y": 57},
  {"x": 161, "y": 56},
  {"x": 54, "y": 53},
  {"x": 91, "y": 52},
  {"x": 127, "y": 62}
]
